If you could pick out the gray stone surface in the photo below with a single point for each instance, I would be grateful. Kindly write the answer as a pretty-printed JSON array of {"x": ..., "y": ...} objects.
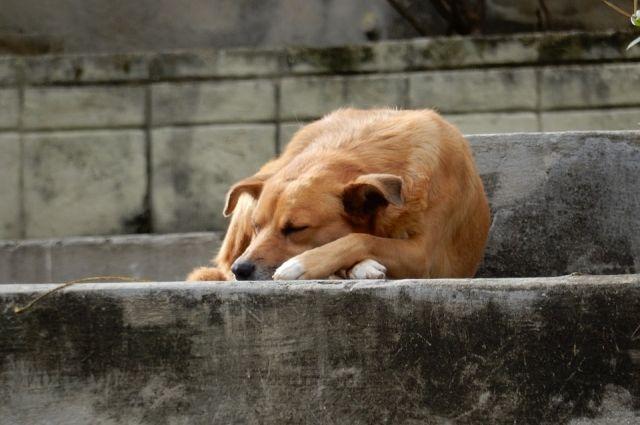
[
  {"x": 8, "y": 68},
  {"x": 249, "y": 62},
  {"x": 386, "y": 56},
  {"x": 588, "y": 86},
  {"x": 25, "y": 261},
  {"x": 210, "y": 102},
  {"x": 9, "y": 108},
  {"x": 311, "y": 97},
  {"x": 82, "y": 107},
  {"x": 10, "y": 185},
  {"x": 561, "y": 202},
  {"x": 240, "y": 62},
  {"x": 474, "y": 90},
  {"x": 83, "y": 182},
  {"x": 609, "y": 118},
  {"x": 100, "y": 25},
  {"x": 462, "y": 52},
  {"x": 148, "y": 257},
  {"x": 194, "y": 167},
  {"x": 545, "y": 351},
  {"x": 103, "y": 26},
  {"x": 387, "y": 91},
  {"x": 488, "y": 122},
  {"x": 85, "y": 68}
]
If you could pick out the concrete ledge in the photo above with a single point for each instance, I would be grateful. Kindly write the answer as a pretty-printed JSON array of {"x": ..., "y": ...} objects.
[
  {"x": 149, "y": 257},
  {"x": 385, "y": 56},
  {"x": 551, "y": 351}
]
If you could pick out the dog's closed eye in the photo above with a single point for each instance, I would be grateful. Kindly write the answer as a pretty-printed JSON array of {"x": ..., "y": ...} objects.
[{"x": 290, "y": 228}]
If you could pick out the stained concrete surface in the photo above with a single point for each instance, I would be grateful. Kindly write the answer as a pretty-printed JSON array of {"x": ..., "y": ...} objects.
[
  {"x": 561, "y": 202},
  {"x": 528, "y": 351}
]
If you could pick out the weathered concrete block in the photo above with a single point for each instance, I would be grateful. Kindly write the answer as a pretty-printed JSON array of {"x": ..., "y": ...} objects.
[
  {"x": 462, "y": 52},
  {"x": 8, "y": 70},
  {"x": 561, "y": 202},
  {"x": 148, "y": 257},
  {"x": 497, "y": 122},
  {"x": 176, "y": 65},
  {"x": 382, "y": 56},
  {"x": 25, "y": 261},
  {"x": 544, "y": 351},
  {"x": 239, "y": 62},
  {"x": 474, "y": 90},
  {"x": 10, "y": 222},
  {"x": 540, "y": 48},
  {"x": 558, "y": 47},
  {"x": 593, "y": 85},
  {"x": 311, "y": 97},
  {"x": 86, "y": 68},
  {"x": 194, "y": 167},
  {"x": 83, "y": 183},
  {"x": 81, "y": 107},
  {"x": 600, "y": 119},
  {"x": 377, "y": 91},
  {"x": 210, "y": 102},
  {"x": 9, "y": 108},
  {"x": 250, "y": 62}
]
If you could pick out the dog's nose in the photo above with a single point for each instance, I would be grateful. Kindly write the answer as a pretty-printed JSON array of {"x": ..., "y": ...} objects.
[{"x": 243, "y": 269}]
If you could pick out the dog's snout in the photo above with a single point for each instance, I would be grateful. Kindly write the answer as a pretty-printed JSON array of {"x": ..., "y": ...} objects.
[{"x": 243, "y": 269}]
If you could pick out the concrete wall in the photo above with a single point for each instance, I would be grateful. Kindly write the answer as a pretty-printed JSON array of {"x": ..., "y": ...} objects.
[
  {"x": 561, "y": 203},
  {"x": 37, "y": 26},
  {"x": 544, "y": 351},
  {"x": 108, "y": 144}
]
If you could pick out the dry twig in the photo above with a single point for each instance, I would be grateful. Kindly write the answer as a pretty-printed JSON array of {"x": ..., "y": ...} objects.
[{"x": 19, "y": 310}]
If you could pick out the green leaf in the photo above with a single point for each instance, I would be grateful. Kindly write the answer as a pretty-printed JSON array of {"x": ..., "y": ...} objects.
[
  {"x": 635, "y": 18},
  {"x": 633, "y": 43}
]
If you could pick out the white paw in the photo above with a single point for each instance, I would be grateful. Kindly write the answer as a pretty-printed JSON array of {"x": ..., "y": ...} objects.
[
  {"x": 368, "y": 269},
  {"x": 291, "y": 269}
]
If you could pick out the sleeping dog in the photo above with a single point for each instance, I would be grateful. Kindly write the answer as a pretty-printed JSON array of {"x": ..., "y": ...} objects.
[{"x": 360, "y": 194}]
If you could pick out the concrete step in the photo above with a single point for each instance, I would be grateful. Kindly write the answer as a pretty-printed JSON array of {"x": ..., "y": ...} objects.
[
  {"x": 147, "y": 257},
  {"x": 562, "y": 350},
  {"x": 561, "y": 203}
]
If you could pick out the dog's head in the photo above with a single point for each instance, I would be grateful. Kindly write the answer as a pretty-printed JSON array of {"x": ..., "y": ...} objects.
[{"x": 295, "y": 214}]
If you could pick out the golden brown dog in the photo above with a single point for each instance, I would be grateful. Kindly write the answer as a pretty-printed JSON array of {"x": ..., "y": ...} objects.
[{"x": 364, "y": 193}]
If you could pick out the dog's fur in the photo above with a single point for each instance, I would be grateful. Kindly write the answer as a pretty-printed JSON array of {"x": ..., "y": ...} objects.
[{"x": 365, "y": 193}]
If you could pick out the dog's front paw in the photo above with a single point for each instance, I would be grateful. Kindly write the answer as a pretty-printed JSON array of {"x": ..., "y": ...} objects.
[
  {"x": 206, "y": 274},
  {"x": 292, "y": 269},
  {"x": 368, "y": 269}
]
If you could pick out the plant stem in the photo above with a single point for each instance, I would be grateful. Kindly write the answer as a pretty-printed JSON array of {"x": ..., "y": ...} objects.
[{"x": 617, "y": 9}]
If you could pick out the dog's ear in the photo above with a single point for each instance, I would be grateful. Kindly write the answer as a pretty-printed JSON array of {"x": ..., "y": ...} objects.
[
  {"x": 251, "y": 185},
  {"x": 369, "y": 192}
]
